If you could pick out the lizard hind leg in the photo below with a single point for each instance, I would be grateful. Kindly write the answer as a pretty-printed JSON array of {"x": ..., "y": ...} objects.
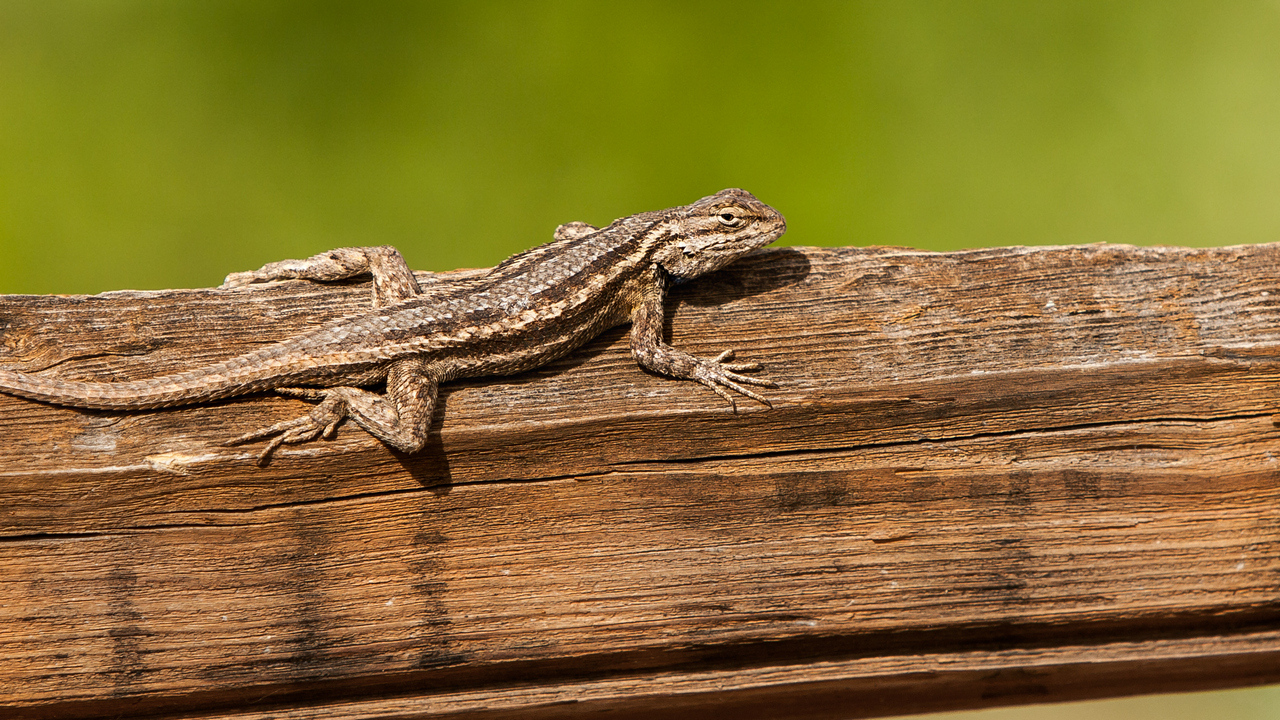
[
  {"x": 393, "y": 281},
  {"x": 400, "y": 418}
]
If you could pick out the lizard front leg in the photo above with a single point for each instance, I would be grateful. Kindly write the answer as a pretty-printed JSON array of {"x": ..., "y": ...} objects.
[
  {"x": 649, "y": 349},
  {"x": 393, "y": 281},
  {"x": 400, "y": 417}
]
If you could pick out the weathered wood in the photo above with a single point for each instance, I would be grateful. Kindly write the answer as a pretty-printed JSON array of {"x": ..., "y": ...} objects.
[{"x": 994, "y": 476}]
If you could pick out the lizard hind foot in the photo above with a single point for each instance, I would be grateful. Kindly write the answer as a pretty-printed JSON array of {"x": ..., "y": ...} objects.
[{"x": 321, "y": 421}]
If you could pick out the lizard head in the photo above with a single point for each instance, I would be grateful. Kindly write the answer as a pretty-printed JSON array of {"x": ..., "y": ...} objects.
[{"x": 715, "y": 231}]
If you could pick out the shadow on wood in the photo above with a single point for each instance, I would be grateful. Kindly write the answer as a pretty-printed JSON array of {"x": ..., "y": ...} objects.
[{"x": 989, "y": 477}]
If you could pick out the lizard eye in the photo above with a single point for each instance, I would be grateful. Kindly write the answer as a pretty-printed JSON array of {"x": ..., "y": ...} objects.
[{"x": 729, "y": 217}]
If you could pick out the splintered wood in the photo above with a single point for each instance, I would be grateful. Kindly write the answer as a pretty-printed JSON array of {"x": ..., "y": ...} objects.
[{"x": 988, "y": 477}]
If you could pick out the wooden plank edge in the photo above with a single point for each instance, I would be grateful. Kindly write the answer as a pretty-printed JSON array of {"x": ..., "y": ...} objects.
[{"x": 857, "y": 688}]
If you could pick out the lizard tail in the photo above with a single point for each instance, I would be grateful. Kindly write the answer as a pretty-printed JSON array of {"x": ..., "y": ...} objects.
[
  {"x": 178, "y": 389},
  {"x": 279, "y": 365}
]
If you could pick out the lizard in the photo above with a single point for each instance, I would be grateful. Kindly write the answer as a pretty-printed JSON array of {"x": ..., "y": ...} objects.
[{"x": 534, "y": 307}]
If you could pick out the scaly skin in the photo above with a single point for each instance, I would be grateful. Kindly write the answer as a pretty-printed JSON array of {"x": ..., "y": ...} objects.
[{"x": 531, "y": 309}]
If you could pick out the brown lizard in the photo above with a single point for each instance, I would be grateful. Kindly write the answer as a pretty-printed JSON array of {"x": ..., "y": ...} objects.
[{"x": 533, "y": 308}]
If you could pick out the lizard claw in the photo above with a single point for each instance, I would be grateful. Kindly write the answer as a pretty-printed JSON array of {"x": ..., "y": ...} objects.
[
  {"x": 719, "y": 375},
  {"x": 239, "y": 279},
  {"x": 290, "y": 431},
  {"x": 322, "y": 421}
]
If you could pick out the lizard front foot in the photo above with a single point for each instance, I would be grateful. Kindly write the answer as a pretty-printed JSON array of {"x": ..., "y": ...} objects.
[
  {"x": 718, "y": 374},
  {"x": 321, "y": 421}
]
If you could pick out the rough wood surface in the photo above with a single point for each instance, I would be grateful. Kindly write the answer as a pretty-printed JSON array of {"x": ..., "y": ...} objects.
[{"x": 996, "y": 476}]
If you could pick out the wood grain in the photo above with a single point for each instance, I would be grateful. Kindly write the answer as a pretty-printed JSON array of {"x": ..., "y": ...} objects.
[{"x": 989, "y": 477}]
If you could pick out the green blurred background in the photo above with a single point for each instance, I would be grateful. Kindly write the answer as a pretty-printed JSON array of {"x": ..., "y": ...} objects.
[{"x": 165, "y": 144}]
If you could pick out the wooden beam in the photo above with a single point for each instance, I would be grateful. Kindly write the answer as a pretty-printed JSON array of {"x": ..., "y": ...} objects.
[{"x": 989, "y": 477}]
